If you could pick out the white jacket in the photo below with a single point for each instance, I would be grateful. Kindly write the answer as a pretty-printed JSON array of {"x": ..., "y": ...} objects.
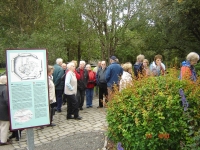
[{"x": 126, "y": 79}]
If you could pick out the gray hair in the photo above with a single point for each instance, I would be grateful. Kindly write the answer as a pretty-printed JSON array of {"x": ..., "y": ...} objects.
[
  {"x": 103, "y": 61},
  {"x": 140, "y": 58},
  {"x": 192, "y": 56},
  {"x": 88, "y": 65},
  {"x": 69, "y": 65},
  {"x": 59, "y": 61},
  {"x": 82, "y": 62},
  {"x": 3, "y": 80}
]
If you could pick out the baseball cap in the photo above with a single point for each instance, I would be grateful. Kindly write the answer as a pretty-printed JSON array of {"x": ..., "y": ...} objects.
[{"x": 113, "y": 57}]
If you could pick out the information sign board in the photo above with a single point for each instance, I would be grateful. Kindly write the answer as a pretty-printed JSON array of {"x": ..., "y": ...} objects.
[{"x": 28, "y": 88}]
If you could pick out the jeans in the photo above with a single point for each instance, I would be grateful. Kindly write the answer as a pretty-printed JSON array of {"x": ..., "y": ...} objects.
[
  {"x": 59, "y": 99},
  {"x": 89, "y": 97},
  {"x": 80, "y": 97}
]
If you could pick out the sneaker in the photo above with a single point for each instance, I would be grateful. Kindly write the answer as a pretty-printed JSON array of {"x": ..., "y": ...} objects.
[
  {"x": 70, "y": 117},
  {"x": 78, "y": 118},
  {"x": 51, "y": 125},
  {"x": 12, "y": 136}
]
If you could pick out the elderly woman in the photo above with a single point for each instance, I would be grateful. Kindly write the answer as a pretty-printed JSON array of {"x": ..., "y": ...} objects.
[
  {"x": 138, "y": 65},
  {"x": 90, "y": 86},
  {"x": 52, "y": 94},
  {"x": 70, "y": 92},
  {"x": 187, "y": 69},
  {"x": 157, "y": 68},
  {"x": 4, "y": 113},
  {"x": 126, "y": 77}
]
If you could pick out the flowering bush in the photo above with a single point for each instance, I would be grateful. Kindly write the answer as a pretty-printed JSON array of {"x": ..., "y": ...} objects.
[{"x": 152, "y": 114}]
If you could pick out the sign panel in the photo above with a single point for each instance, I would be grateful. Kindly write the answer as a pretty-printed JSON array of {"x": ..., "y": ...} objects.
[{"x": 28, "y": 88}]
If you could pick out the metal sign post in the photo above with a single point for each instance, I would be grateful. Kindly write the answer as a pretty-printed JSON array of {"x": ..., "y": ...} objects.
[{"x": 30, "y": 138}]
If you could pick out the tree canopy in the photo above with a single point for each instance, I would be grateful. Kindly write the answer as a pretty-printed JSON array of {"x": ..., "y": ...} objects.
[{"x": 97, "y": 29}]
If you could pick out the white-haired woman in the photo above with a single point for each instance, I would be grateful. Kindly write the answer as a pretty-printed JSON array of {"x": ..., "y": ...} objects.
[
  {"x": 187, "y": 69},
  {"x": 4, "y": 113},
  {"x": 70, "y": 92}
]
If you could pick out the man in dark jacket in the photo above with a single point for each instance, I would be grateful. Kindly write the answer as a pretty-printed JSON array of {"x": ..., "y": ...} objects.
[
  {"x": 101, "y": 82},
  {"x": 82, "y": 83},
  {"x": 64, "y": 67},
  {"x": 113, "y": 73},
  {"x": 59, "y": 84}
]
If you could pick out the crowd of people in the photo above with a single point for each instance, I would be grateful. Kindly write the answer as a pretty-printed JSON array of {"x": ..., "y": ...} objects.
[{"x": 71, "y": 84}]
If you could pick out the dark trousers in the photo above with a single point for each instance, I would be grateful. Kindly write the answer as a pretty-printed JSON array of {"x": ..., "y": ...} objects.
[
  {"x": 64, "y": 99},
  {"x": 72, "y": 106},
  {"x": 102, "y": 91},
  {"x": 80, "y": 97},
  {"x": 52, "y": 111},
  {"x": 59, "y": 99},
  {"x": 16, "y": 134}
]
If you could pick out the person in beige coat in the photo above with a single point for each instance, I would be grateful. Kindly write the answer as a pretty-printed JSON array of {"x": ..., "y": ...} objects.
[{"x": 52, "y": 94}]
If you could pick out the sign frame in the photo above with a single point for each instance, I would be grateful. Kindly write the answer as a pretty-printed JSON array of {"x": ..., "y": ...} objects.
[{"x": 28, "y": 94}]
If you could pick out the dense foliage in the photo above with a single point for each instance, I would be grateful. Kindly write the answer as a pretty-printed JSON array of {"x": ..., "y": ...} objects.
[
  {"x": 150, "y": 115},
  {"x": 91, "y": 29}
]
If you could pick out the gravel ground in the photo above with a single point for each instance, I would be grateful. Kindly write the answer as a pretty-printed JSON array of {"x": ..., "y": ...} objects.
[{"x": 82, "y": 141}]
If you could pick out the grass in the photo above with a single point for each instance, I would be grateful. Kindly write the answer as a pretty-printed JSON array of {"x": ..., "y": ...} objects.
[{"x": 2, "y": 70}]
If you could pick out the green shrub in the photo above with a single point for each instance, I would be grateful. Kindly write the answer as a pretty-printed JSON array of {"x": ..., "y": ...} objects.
[{"x": 150, "y": 115}]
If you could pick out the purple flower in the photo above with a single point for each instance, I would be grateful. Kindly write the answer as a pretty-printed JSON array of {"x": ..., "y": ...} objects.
[
  {"x": 184, "y": 100},
  {"x": 119, "y": 146}
]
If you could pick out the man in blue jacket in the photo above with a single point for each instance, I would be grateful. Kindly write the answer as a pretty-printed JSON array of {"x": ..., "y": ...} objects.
[{"x": 113, "y": 73}]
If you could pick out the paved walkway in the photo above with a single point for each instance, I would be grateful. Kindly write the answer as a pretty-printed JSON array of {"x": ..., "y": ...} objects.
[{"x": 92, "y": 123}]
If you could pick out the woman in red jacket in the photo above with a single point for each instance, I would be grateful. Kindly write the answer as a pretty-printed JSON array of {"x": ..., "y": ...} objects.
[{"x": 90, "y": 86}]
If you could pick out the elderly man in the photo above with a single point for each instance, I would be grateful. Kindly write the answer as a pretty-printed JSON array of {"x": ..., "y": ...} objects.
[
  {"x": 59, "y": 84},
  {"x": 101, "y": 82},
  {"x": 113, "y": 73},
  {"x": 96, "y": 70},
  {"x": 64, "y": 67},
  {"x": 82, "y": 83}
]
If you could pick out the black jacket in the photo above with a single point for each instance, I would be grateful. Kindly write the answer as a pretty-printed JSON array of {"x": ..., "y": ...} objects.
[
  {"x": 4, "y": 113},
  {"x": 82, "y": 83}
]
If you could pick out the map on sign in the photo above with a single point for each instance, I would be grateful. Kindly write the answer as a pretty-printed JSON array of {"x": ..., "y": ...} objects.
[
  {"x": 23, "y": 115},
  {"x": 27, "y": 66}
]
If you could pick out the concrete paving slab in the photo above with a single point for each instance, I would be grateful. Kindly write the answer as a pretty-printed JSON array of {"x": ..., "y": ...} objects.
[{"x": 94, "y": 120}]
